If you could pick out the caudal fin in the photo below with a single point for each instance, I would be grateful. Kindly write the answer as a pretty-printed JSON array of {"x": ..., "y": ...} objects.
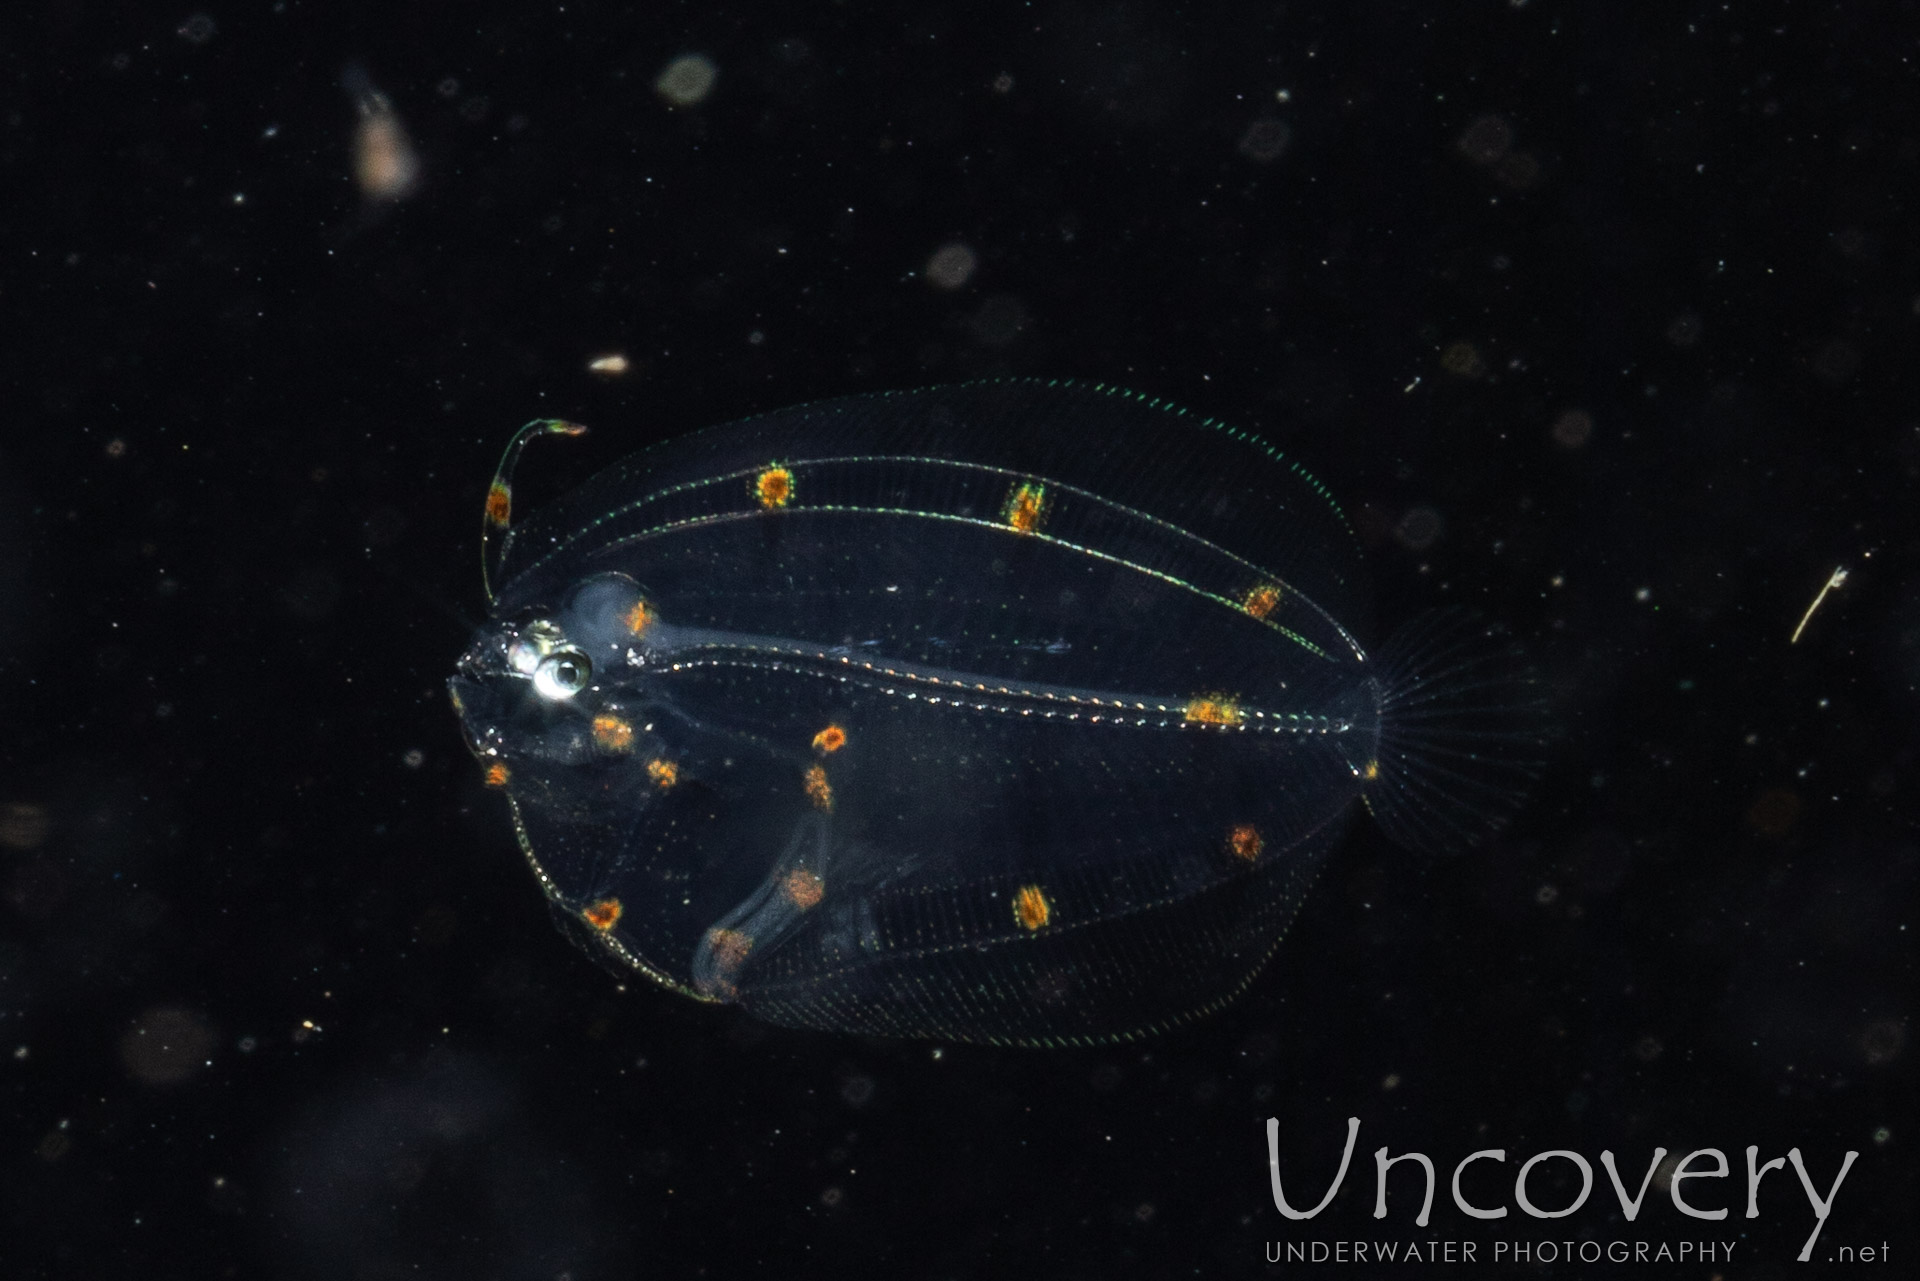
[{"x": 1462, "y": 732}]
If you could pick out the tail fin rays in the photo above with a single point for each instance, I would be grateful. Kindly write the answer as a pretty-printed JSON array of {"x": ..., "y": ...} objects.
[{"x": 1462, "y": 732}]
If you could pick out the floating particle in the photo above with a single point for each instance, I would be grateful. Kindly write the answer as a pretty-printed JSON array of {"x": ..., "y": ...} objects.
[
  {"x": 1419, "y": 529},
  {"x": 1883, "y": 1040},
  {"x": 1834, "y": 581},
  {"x": 1463, "y": 360},
  {"x": 687, "y": 80},
  {"x": 414, "y": 758},
  {"x": 1264, "y": 140},
  {"x": 951, "y": 266},
  {"x": 1486, "y": 140},
  {"x": 856, "y": 1089},
  {"x": 1684, "y": 329},
  {"x": 385, "y": 165},
  {"x": 1572, "y": 429},
  {"x": 198, "y": 29},
  {"x": 1003, "y": 83},
  {"x": 23, "y": 825},
  {"x": 611, "y": 365}
]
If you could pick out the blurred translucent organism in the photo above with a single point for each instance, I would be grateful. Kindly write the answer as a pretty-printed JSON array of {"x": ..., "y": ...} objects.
[
  {"x": 385, "y": 165},
  {"x": 687, "y": 80}
]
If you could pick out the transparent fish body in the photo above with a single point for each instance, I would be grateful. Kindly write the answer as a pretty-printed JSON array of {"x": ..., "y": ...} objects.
[{"x": 1008, "y": 712}]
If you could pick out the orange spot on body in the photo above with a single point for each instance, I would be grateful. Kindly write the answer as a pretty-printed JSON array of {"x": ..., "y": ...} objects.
[
  {"x": 612, "y": 733},
  {"x": 730, "y": 951},
  {"x": 819, "y": 791},
  {"x": 774, "y": 488},
  {"x": 1026, "y": 508},
  {"x": 602, "y": 915},
  {"x": 1030, "y": 907},
  {"x": 499, "y": 504},
  {"x": 1214, "y": 709},
  {"x": 830, "y": 739},
  {"x": 1262, "y": 600},
  {"x": 804, "y": 888},
  {"x": 1246, "y": 842},
  {"x": 638, "y": 617},
  {"x": 497, "y": 774},
  {"x": 1371, "y": 772},
  {"x": 664, "y": 773}
]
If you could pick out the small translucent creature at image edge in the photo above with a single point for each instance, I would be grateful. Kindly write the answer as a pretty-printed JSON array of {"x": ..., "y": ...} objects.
[{"x": 1012, "y": 712}]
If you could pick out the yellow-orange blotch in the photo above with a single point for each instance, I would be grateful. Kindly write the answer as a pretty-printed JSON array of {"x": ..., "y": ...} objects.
[
  {"x": 830, "y": 739},
  {"x": 1371, "y": 772},
  {"x": 819, "y": 791},
  {"x": 1262, "y": 600},
  {"x": 499, "y": 504},
  {"x": 774, "y": 487},
  {"x": 497, "y": 774},
  {"x": 612, "y": 733},
  {"x": 638, "y": 617},
  {"x": 602, "y": 915},
  {"x": 1030, "y": 907},
  {"x": 663, "y": 773},
  {"x": 1214, "y": 710},
  {"x": 1246, "y": 842},
  {"x": 804, "y": 888},
  {"x": 1026, "y": 508}
]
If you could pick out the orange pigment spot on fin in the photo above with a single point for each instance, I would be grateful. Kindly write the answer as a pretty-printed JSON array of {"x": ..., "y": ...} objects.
[
  {"x": 638, "y": 617},
  {"x": 1030, "y": 907},
  {"x": 602, "y": 915},
  {"x": 499, "y": 504},
  {"x": 663, "y": 773},
  {"x": 497, "y": 774},
  {"x": 1214, "y": 709},
  {"x": 830, "y": 739},
  {"x": 774, "y": 488},
  {"x": 819, "y": 791},
  {"x": 1246, "y": 842},
  {"x": 1026, "y": 508},
  {"x": 1262, "y": 600}
]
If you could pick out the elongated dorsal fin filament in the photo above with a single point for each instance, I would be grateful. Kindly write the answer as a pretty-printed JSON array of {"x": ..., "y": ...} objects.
[{"x": 496, "y": 525}]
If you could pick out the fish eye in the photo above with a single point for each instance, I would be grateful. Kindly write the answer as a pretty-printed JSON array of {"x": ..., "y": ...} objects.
[{"x": 562, "y": 675}]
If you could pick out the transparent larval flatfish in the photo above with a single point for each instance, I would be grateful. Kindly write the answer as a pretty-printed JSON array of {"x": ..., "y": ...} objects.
[{"x": 1010, "y": 712}]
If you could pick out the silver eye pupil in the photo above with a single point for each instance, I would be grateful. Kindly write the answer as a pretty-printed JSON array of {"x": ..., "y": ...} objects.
[{"x": 562, "y": 675}]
